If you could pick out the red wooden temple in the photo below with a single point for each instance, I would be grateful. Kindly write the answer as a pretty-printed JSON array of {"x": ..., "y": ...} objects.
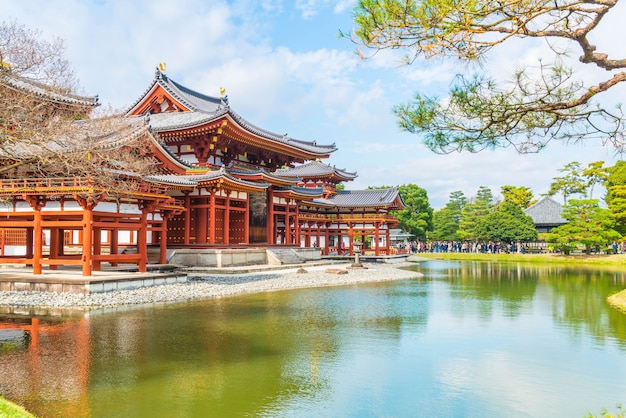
[{"x": 219, "y": 182}]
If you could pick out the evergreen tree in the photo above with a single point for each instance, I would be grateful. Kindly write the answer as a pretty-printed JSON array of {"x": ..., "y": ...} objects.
[
  {"x": 530, "y": 106},
  {"x": 446, "y": 220},
  {"x": 570, "y": 183},
  {"x": 595, "y": 173},
  {"x": 523, "y": 196},
  {"x": 472, "y": 212},
  {"x": 588, "y": 225},
  {"x": 617, "y": 206},
  {"x": 507, "y": 223}
]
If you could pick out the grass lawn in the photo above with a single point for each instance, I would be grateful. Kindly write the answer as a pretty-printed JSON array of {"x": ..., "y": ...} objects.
[
  {"x": 10, "y": 410},
  {"x": 617, "y": 260}
]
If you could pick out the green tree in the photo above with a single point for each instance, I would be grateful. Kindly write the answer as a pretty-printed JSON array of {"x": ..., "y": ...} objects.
[
  {"x": 531, "y": 108},
  {"x": 507, "y": 223},
  {"x": 588, "y": 224},
  {"x": 616, "y": 177},
  {"x": 446, "y": 220},
  {"x": 523, "y": 196},
  {"x": 617, "y": 206},
  {"x": 572, "y": 182},
  {"x": 417, "y": 216},
  {"x": 472, "y": 212},
  {"x": 595, "y": 173}
]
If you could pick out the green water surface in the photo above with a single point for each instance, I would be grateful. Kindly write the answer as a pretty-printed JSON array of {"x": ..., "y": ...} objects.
[{"x": 467, "y": 340}]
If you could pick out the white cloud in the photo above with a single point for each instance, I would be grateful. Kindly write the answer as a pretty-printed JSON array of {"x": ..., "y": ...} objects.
[{"x": 312, "y": 91}]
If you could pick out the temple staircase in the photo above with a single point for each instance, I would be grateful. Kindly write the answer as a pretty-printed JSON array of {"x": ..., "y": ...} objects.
[{"x": 280, "y": 256}]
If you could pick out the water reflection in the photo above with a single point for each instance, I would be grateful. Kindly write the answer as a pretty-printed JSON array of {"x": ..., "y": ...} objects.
[{"x": 470, "y": 339}]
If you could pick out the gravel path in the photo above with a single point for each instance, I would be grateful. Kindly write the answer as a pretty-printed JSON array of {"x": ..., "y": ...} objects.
[{"x": 212, "y": 286}]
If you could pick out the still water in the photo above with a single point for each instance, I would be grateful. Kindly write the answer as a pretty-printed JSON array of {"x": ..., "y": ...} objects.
[{"x": 467, "y": 340}]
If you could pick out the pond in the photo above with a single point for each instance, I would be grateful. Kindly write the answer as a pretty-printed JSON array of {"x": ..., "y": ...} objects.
[{"x": 469, "y": 339}]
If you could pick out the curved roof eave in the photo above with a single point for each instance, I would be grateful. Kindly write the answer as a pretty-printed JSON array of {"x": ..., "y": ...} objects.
[
  {"x": 315, "y": 169},
  {"x": 35, "y": 88},
  {"x": 211, "y": 108},
  {"x": 172, "y": 121}
]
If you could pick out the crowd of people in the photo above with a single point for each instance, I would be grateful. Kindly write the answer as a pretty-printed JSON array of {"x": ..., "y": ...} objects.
[
  {"x": 493, "y": 247},
  {"x": 470, "y": 247}
]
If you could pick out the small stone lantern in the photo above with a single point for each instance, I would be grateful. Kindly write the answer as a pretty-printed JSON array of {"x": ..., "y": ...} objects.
[{"x": 357, "y": 254}]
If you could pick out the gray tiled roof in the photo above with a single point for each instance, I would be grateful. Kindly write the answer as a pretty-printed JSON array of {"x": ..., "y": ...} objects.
[
  {"x": 204, "y": 109},
  {"x": 194, "y": 179},
  {"x": 363, "y": 198},
  {"x": 46, "y": 92},
  {"x": 101, "y": 134},
  {"x": 305, "y": 191},
  {"x": 314, "y": 169},
  {"x": 546, "y": 212}
]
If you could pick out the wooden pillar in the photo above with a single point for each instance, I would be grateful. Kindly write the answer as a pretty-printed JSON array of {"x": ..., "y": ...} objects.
[
  {"x": 114, "y": 243},
  {"x": 29, "y": 242},
  {"x": 271, "y": 237},
  {"x": 307, "y": 236},
  {"x": 97, "y": 247},
  {"x": 326, "y": 238},
  {"x": 296, "y": 223},
  {"x": 246, "y": 221},
  {"x": 187, "y": 231},
  {"x": 287, "y": 225},
  {"x": 201, "y": 221},
  {"x": 226, "y": 228},
  {"x": 377, "y": 238},
  {"x": 387, "y": 239},
  {"x": 37, "y": 242},
  {"x": 87, "y": 239},
  {"x": 61, "y": 235},
  {"x": 212, "y": 217},
  {"x": 54, "y": 246},
  {"x": 142, "y": 241},
  {"x": 163, "y": 243},
  {"x": 351, "y": 235}
]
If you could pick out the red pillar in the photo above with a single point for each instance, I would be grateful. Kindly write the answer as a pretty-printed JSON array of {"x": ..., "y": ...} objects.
[
  {"x": 226, "y": 227},
  {"x": 377, "y": 237},
  {"x": 87, "y": 240},
  {"x": 201, "y": 222},
  {"x": 37, "y": 250},
  {"x": 351, "y": 235},
  {"x": 54, "y": 246},
  {"x": 296, "y": 223},
  {"x": 187, "y": 219},
  {"x": 29, "y": 242},
  {"x": 246, "y": 221},
  {"x": 97, "y": 247},
  {"x": 114, "y": 242},
  {"x": 163, "y": 243},
  {"x": 387, "y": 235},
  {"x": 142, "y": 241},
  {"x": 212, "y": 218},
  {"x": 271, "y": 237}
]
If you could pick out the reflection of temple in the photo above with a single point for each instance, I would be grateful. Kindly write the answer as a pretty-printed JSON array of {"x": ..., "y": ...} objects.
[
  {"x": 52, "y": 361},
  {"x": 221, "y": 182}
]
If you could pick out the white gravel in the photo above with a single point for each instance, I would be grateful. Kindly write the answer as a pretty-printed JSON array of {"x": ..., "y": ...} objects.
[{"x": 211, "y": 286}]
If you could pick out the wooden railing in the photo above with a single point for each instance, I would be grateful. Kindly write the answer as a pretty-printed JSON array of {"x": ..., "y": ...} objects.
[
  {"x": 346, "y": 217},
  {"x": 65, "y": 184}
]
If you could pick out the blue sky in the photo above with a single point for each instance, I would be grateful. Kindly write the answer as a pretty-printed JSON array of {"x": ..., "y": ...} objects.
[{"x": 286, "y": 70}]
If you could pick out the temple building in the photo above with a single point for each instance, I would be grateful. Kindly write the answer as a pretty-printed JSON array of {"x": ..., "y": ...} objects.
[{"x": 215, "y": 181}]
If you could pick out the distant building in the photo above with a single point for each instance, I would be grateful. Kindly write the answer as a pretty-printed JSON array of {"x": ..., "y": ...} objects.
[{"x": 546, "y": 214}]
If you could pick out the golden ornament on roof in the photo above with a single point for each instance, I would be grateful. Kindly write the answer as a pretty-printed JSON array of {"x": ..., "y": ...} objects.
[
  {"x": 162, "y": 66},
  {"x": 222, "y": 91}
]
